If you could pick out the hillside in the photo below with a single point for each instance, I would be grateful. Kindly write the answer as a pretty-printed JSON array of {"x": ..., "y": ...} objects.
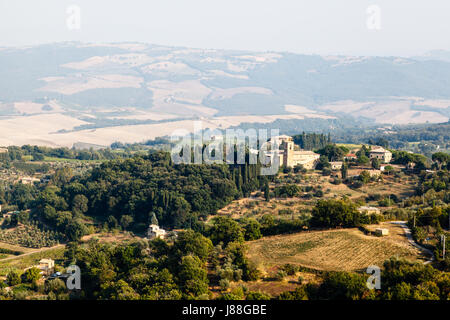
[{"x": 60, "y": 94}]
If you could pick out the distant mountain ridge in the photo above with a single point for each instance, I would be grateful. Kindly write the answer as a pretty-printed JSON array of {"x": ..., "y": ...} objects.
[{"x": 96, "y": 86}]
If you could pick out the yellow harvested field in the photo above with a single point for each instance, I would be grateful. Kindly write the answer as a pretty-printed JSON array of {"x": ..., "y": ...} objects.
[
  {"x": 75, "y": 84},
  {"x": 331, "y": 250},
  {"x": 36, "y": 129},
  {"x": 42, "y": 129}
]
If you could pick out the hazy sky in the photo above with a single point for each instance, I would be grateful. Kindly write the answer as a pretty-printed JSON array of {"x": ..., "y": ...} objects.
[{"x": 392, "y": 27}]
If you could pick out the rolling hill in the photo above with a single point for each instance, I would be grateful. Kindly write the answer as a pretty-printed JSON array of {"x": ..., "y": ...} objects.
[{"x": 59, "y": 94}]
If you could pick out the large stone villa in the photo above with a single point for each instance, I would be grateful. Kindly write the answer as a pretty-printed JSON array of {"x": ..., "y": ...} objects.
[
  {"x": 290, "y": 155},
  {"x": 381, "y": 154}
]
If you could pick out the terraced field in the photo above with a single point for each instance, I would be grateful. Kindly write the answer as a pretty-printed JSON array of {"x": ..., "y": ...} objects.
[{"x": 338, "y": 250}]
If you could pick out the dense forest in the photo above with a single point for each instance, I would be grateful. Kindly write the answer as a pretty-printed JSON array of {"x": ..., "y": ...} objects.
[
  {"x": 38, "y": 153},
  {"x": 129, "y": 192},
  {"x": 312, "y": 141}
]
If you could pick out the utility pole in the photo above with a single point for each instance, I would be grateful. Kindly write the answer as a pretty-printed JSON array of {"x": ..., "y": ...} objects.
[
  {"x": 443, "y": 246},
  {"x": 414, "y": 224}
]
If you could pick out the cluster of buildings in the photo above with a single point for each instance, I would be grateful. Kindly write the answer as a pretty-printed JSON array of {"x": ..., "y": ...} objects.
[{"x": 290, "y": 155}]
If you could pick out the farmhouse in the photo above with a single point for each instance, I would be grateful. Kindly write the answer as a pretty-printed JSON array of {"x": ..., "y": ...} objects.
[
  {"x": 10, "y": 214},
  {"x": 381, "y": 154},
  {"x": 46, "y": 266},
  {"x": 350, "y": 157},
  {"x": 29, "y": 180},
  {"x": 369, "y": 210},
  {"x": 336, "y": 165},
  {"x": 154, "y": 231}
]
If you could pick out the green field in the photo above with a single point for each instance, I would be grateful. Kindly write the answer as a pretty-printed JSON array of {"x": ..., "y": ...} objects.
[{"x": 24, "y": 261}]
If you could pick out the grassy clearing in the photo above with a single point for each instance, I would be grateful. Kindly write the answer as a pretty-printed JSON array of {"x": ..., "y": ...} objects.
[
  {"x": 22, "y": 262},
  {"x": 337, "y": 250},
  {"x": 13, "y": 247}
]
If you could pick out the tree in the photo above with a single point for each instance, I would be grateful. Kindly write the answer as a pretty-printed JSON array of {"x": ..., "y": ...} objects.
[
  {"x": 364, "y": 151},
  {"x": 75, "y": 230},
  {"x": 79, "y": 204},
  {"x": 112, "y": 222},
  {"x": 375, "y": 163},
  {"x": 389, "y": 169},
  {"x": 323, "y": 163},
  {"x": 252, "y": 230},
  {"x": 38, "y": 157},
  {"x": 333, "y": 152},
  {"x": 335, "y": 213},
  {"x": 297, "y": 294},
  {"x": 401, "y": 291},
  {"x": 344, "y": 171},
  {"x": 288, "y": 190},
  {"x": 56, "y": 286},
  {"x": 32, "y": 275},
  {"x": 363, "y": 160},
  {"x": 120, "y": 290},
  {"x": 13, "y": 278},
  {"x": 193, "y": 276},
  {"x": 153, "y": 219},
  {"x": 441, "y": 158},
  {"x": 193, "y": 243},
  {"x": 299, "y": 168},
  {"x": 266, "y": 191},
  {"x": 62, "y": 176},
  {"x": 126, "y": 221},
  {"x": 343, "y": 286},
  {"x": 364, "y": 176},
  {"x": 256, "y": 295},
  {"x": 226, "y": 230}
]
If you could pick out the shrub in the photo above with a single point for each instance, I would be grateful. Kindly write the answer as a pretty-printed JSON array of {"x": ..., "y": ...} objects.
[
  {"x": 32, "y": 275},
  {"x": 224, "y": 284},
  {"x": 290, "y": 269},
  {"x": 252, "y": 295},
  {"x": 281, "y": 274},
  {"x": 13, "y": 278}
]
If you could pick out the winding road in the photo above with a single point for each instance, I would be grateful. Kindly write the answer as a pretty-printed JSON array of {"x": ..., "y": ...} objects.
[{"x": 408, "y": 235}]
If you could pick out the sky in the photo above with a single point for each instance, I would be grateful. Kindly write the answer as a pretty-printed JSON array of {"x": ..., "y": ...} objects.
[{"x": 354, "y": 27}]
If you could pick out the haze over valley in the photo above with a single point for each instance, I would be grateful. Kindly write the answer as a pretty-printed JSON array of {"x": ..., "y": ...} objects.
[{"x": 61, "y": 94}]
